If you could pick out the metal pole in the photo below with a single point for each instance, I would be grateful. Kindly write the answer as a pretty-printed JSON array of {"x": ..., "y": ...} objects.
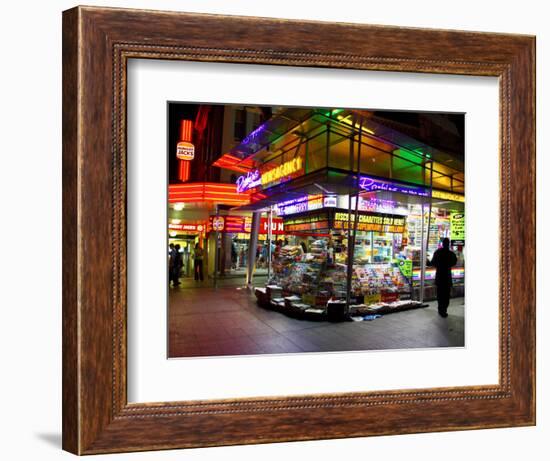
[
  {"x": 425, "y": 243},
  {"x": 269, "y": 237},
  {"x": 328, "y": 145},
  {"x": 429, "y": 210},
  {"x": 356, "y": 218},
  {"x": 422, "y": 257},
  {"x": 216, "y": 251},
  {"x": 350, "y": 241},
  {"x": 252, "y": 245}
]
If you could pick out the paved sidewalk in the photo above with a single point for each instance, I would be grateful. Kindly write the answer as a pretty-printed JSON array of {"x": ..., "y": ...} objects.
[{"x": 227, "y": 321}]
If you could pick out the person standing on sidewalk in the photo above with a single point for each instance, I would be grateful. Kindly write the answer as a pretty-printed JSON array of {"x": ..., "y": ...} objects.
[
  {"x": 443, "y": 260},
  {"x": 178, "y": 263},
  {"x": 198, "y": 258},
  {"x": 171, "y": 261}
]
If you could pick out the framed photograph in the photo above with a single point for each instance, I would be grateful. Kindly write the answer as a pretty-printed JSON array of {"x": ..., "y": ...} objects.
[{"x": 282, "y": 230}]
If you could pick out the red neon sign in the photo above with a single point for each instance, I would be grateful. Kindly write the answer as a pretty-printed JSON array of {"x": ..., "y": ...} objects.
[
  {"x": 242, "y": 225},
  {"x": 185, "y": 150},
  {"x": 187, "y": 227},
  {"x": 277, "y": 226}
]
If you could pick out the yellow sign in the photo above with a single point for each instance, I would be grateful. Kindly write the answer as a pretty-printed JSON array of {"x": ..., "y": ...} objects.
[
  {"x": 282, "y": 171},
  {"x": 457, "y": 226},
  {"x": 372, "y": 298},
  {"x": 389, "y": 220},
  {"x": 185, "y": 150},
  {"x": 447, "y": 195},
  {"x": 371, "y": 222}
]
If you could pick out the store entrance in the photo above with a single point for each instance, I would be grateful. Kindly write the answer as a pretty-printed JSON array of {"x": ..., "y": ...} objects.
[{"x": 184, "y": 261}]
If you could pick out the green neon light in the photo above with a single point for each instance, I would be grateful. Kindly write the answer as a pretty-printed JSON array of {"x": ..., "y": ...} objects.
[{"x": 418, "y": 151}]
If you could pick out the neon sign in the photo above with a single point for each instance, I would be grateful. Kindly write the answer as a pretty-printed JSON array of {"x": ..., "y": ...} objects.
[
  {"x": 249, "y": 181},
  {"x": 186, "y": 227},
  {"x": 254, "y": 178},
  {"x": 330, "y": 201},
  {"x": 369, "y": 184},
  {"x": 447, "y": 195},
  {"x": 185, "y": 151},
  {"x": 377, "y": 222},
  {"x": 282, "y": 171},
  {"x": 297, "y": 205},
  {"x": 253, "y": 134},
  {"x": 277, "y": 226},
  {"x": 305, "y": 203},
  {"x": 218, "y": 223}
]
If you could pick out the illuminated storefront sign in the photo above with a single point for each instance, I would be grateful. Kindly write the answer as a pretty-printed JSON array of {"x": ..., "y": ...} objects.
[
  {"x": 299, "y": 205},
  {"x": 282, "y": 172},
  {"x": 369, "y": 184},
  {"x": 372, "y": 204},
  {"x": 243, "y": 225},
  {"x": 287, "y": 207},
  {"x": 311, "y": 222},
  {"x": 405, "y": 266},
  {"x": 277, "y": 226},
  {"x": 457, "y": 227},
  {"x": 380, "y": 206},
  {"x": 249, "y": 181},
  {"x": 305, "y": 203},
  {"x": 330, "y": 201},
  {"x": 429, "y": 274},
  {"x": 185, "y": 150},
  {"x": 447, "y": 195},
  {"x": 274, "y": 176},
  {"x": 376, "y": 222},
  {"x": 218, "y": 223},
  {"x": 186, "y": 227}
]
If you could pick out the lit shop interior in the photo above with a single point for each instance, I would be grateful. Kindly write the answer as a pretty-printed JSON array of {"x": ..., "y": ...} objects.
[{"x": 337, "y": 212}]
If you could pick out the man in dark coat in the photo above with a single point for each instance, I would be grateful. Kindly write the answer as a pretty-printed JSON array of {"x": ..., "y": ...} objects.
[
  {"x": 171, "y": 262},
  {"x": 178, "y": 264},
  {"x": 443, "y": 259}
]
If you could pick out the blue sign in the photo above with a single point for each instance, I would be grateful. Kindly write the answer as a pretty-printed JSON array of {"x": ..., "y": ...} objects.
[{"x": 369, "y": 184}]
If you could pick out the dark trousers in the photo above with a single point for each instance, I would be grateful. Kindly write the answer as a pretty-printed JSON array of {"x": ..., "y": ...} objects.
[
  {"x": 198, "y": 270},
  {"x": 175, "y": 275},
  {"x": 443, "y": 297}
]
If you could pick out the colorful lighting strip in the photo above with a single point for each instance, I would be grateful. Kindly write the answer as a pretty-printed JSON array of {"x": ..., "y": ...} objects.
[
  {"x": 184, "y": 170},
  {"x": 230, "y": 162}
]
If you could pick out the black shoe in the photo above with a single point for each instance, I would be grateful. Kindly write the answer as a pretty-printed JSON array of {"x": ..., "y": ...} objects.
[{"x": 444, "y": 314}]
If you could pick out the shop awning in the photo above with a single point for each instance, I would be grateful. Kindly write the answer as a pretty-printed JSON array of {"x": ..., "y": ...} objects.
[
  {"x": 339, "y": 182},
  {"x": 297, "y": 121}
]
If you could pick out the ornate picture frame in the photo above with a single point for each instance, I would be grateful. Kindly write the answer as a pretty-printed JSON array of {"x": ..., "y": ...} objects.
[{"x": 97, "y": 44}]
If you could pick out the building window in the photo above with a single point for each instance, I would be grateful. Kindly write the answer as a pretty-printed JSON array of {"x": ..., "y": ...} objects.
[{"x": 240, "y": 124}]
